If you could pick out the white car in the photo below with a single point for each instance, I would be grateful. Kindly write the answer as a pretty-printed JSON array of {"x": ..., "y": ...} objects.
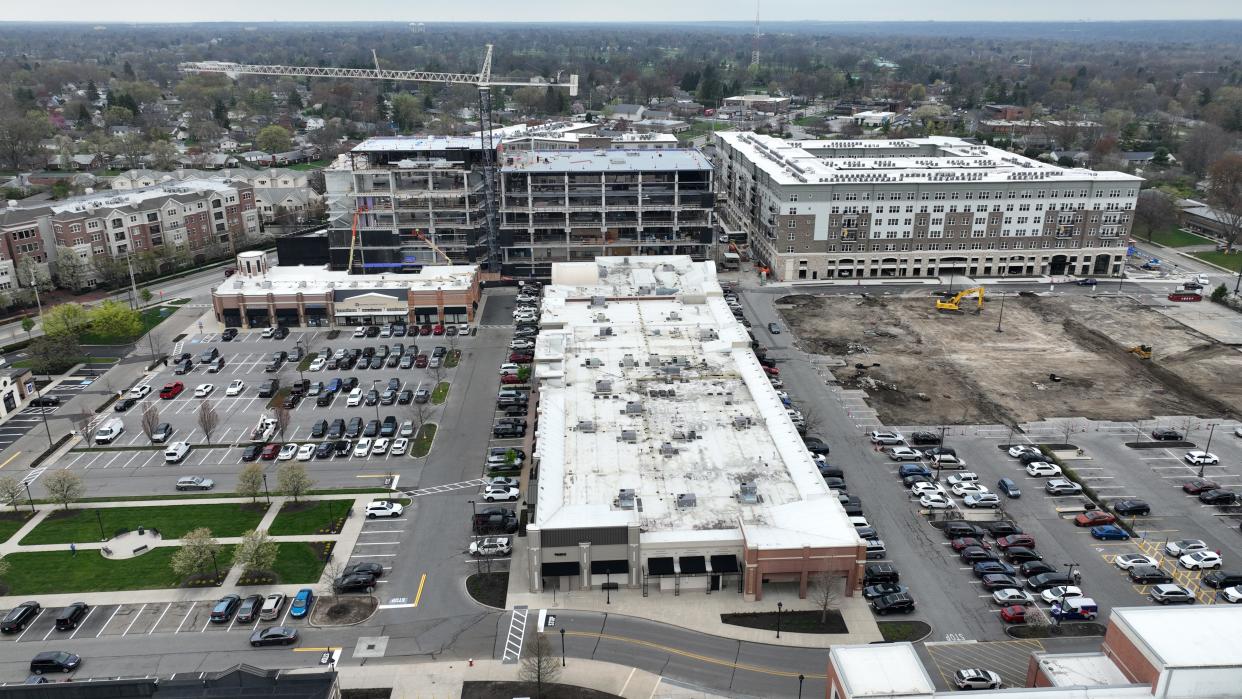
[
  {"x": 886, "y": 438},
  {"x": 1201, "y": 457},
  {"x": 384, "y": 508},
  {"x": 407, "y": 429},
  {"x": 203, "y": 390},
  {"x": 509, "y": 369},
  {"x": 1200, "y": 560},
  {"x": 499, "y": 493},
  {"x": 521, "y": 344},
  {"x": 1232, "y": 595},
  {"x": 920, "y": 489},
  {"x": 491, "y": 546},
  {"x": 1012, "y": 595},
  {"x": 306, "y": 452},
  {"x": 904, "y": 454},
  {"x": 1184, "y": 546},
  {"x": 1020, "y": 449},
  {"x": 981, "y": 500},
  {"x": 379, "y": 446},
  {"x": 287, "y": 452},
  {"x": 935, "y": 501},
  {"x": 317, "y": 364},
  {"x": 362, "y": 448},
  {"x": 976, "y": 678},
  {"x": 268, "y": 332},
  {"x": 236, "y": 386},
  {"x": 139, "y": 391},
  {"x": 355, "y": 398},
  {"x": 360, "y": 331},
  {"x": 964, "y": 489},
  {"x": 1053, "y": 594},
  {"x": 1042, "y": 468},
  {"x": 1126, "y": 561},
  {"x": 399, "y": 446},
  {"x": 964, "y": 477}
]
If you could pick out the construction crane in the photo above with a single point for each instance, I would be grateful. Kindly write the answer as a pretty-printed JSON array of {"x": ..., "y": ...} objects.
[
  {"x": 483, "y": 80},
  {"x": 1141, "y": 351},
  {"x": 954, "y": 304},
  {"x": 419, "y": 234}
]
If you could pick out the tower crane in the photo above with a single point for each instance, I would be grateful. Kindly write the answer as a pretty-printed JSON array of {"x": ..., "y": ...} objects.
[{"x": 483, "y": 80}]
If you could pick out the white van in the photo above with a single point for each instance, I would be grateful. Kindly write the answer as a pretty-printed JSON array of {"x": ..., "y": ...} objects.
[
  {"x": 176, "y": 452},
  {"x": 355, "y": 397},
  {"x": 109, "y": 431}
]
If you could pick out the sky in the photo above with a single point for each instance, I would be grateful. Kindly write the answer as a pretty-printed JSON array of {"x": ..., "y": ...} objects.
[{"x": 627, "y": 11}]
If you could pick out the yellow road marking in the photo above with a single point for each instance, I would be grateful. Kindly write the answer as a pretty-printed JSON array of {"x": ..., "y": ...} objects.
[
  {"x": 419, "y": 595},
  {"x": 695, "y": 656},
  {"x": 6, "y": 461},
  {"x": 371, "y": 475},
  {"x": 315, "y": 650}
]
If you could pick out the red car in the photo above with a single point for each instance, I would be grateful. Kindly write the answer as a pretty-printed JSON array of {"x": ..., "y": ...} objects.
[
  {"x": 959, "y": 544},
  {"x": 519, "y": 358},
  {"x": 269, "y": 452},
  {"x": 424, "y": 329},
  {"x": 1198, "y": 485},
  {"x": 438, "y": 330},
  {"x": 1016, "y": 540},
  {"x": 510, "y": 379},
  {"x": 772, "y": 371},
  {"x": 1092, "y": 518},
  {"x": 1013, "y": 614},
  {"x": 421, "y": 361},
  {"x": 172, "y": 390}
]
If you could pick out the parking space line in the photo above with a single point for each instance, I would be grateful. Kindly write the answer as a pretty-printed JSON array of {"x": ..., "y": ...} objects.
[
  {"x": 30, "y": 625},
  {"x": 186, "y": 617},
  {"x": 137, "y": 616},
  {"x": 109, "y": 621},
  {"x": 86, "y": 618},
  {"x": 157, "y": 621}
]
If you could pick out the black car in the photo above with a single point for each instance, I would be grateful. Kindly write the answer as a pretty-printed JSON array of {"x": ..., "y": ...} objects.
[
  {"x": 354, "y": 582},
  {"x": 280, "y": 333},
  {"x": 324, "y": 399},
  {"x": 319, "y": 429},
  {"x": 341, "y": 448},
  {"x": 1149, "y": 575},
  {"x": 274, "y": 636},
  {"x": 394, "y": 384},
  {"x": 1131, "y": 507},
  {"x": 393, "y": 361},
  {"x": 228, "y": 334},
  {"x": 267, "y": 389},
  {"x": 1043, "y": 581},
  {"x": 371, "y": 397},
  {"x": 877, "y": 573},
  {"x": 940, "y": 451},
  {"x": 20, "y": 616},
  {"x": 54, "y": 661},
  {"x": 337, "y": 429},
  {"x": 1220, "y": 579},
  {"x": 388, "y": 397},
  {"x": 1003, "y": 527},
  {"x": 998, "y": 581},
  {"x": 291, "y": 401},
  {"x": 1022, "y": 554},
  {"x": 251, "y": 452},
  {"x": 125, "y": 404},
  {"x": 372, "y": 429},
  {"x": 1166, "y": 435},
  {"x": 983, "y": 568},
  {"x": 375, "y": 570},
  {"x": 349, "y": 383},
  {"x": 1219, "y": 496},
  {"x": 354, "y": 430},
  {"x": 224, "y": 609},
  {"x": 248, "y": 611},
  {"x": 922, "y": 439},
  {"x": 1030, "y": 457},
  {"x": 324, "y": 450},
  {"x": 976, "y": 554},
  {"x": 815, "y": 445},
  {"x": 900, "y": 603},
  {"x": 1032, "y": 568},
  {"x": 388, "y": 428},
  {"x": 508, "y": 430},
  {"x": 71, "y": 616},
  {"x": 368, "y": 352},
  {"x": 376, "y": 363},
  {"x": 46, "y": 402},
  {"x": 959, "y": 530},
  {"x": 405, "y": 397},
  {"x": 836, "y": 483},
  {"x": 373, "y": 331}
]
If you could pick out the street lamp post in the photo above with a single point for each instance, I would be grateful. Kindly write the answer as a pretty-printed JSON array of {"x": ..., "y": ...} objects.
[
  {"x": 779, "y": 606},
  {"x": 213, "y": 562},
  {"x": 800, "y": 678},
  {"x": 1001, "y": 316},
  {"x": 31, "y": 499},
  {"x": 374, "y": 383},
  {"x": 98, "y": 518},
  {"x": 43, "y": 413},
  {"x": 1207, "y": 448},
  {"x": 562, "y": 646},
  {"x": 266, "y": 491}
]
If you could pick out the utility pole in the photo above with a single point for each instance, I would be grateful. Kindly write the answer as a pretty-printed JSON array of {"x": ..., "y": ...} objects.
[
  {"x": 1202, "y": 464},
  {"x": 133, "y": 285},
  {"x": 34, "y": 284}
]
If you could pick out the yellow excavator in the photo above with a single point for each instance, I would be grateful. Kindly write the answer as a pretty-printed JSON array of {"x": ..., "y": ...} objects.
[
  {"x": 954, "y": 304},
  {"x": 1141, "y": 351}
]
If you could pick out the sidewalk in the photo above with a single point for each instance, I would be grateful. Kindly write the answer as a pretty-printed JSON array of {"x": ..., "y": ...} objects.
[{"x": 434, "y": 680}]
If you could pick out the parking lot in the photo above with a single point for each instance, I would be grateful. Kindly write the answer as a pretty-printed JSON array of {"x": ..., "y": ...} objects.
[{"x": 125, "y": 466}]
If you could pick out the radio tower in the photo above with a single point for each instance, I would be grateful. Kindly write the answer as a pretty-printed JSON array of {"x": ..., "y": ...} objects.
[{"x": 754, "y": 43}]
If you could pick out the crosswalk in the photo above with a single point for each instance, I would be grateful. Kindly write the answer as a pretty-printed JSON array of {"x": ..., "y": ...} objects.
[
  {"x": 516, "y": 635},
  {"x": 448, "y": 487}
]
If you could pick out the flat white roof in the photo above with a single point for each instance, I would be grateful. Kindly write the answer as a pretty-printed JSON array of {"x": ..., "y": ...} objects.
[
  {"x": 932, "y": 160},
  {"x": 1194, "y": 636},
  {"x": 290, "y": 279},
  {"x": 1082, "y": 670},
  {"x": 648, "y": 384},
  {"x": 415, "y": 143},
  {"x": 881, "y": 670},
  {"x": 114, "y": 198},
  {"x": 616, "y": 160}
]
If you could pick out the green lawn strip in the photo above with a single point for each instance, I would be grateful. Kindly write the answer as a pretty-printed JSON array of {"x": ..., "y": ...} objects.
[
  {"x": 1230, "y": 262},
  {"x": 453, "y": 359},
  {"x": 1176, "y": 238},
  {"x": 10, "y": 522},
  {"x": 214, "y": 496},
  {"x": 279, "y": 398},
  {"x": 440, "y": 393},
  {"x": 309, "y": 517},
  {"x": 52, "y": 572},
  {"x": 422, "y": 441},
  {"x": 304, "y": 365},
  {"x": 151, "y": 317},
  {"x": 78, "y": 525},
  {"x": 897, "y": 631},
  {"x": 312, "y": 165},
  {"x": 296, "y": 562}
]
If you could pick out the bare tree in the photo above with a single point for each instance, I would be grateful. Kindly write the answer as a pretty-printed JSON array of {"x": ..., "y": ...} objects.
[
  {"x": 539, "y": 667},
  {"x": 1202, "y": 147},
  {"x": 281, "y": 415},
  {"x": 64, "y": 487},
  {"x": 208, "y": 420},
  {"x": 1225, "y": 195},
  {"x": 150, "y": 419},
  {"x": 82, "y": 422},
  {"x": 331, "y": 572},
  {"x": 1155, "y": 211},
  {"x": 826, "y": 592},
  {"x": 812, "y": 419},
  {"x": 10, "y": 491}
]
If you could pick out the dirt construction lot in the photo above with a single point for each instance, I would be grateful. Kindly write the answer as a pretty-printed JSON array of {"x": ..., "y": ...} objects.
[{"x": 927, "y": 367}]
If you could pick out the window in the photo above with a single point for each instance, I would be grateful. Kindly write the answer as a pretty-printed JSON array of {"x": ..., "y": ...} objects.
[
  {"x": 793, "y": 224},
  {"x": 117, "y": 223},
  {"x": 793, "y": 197},
  {"x": 789, "y": 249},
  {"x": 92, "y": 224},
  {"x": 793, "y": 236},
  {"x": 153, "y": 217}
]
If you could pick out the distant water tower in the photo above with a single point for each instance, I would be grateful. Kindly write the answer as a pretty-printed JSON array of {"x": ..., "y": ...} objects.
[{"x": 417, "y": 27}]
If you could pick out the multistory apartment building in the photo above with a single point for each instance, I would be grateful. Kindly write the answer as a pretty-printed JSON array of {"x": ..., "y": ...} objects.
[
  {"x": 194, "y": 220},
  {"x": 564, "y": 206},
  {"x": 918, "y": 207},
  {"x": 406, "y": 191}
]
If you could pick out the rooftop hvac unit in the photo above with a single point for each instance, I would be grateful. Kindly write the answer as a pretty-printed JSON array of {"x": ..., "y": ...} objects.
[
  {"x": 628, "y": 361},
  {"x": 687, "y": 500},
  {"x": 630, "y": 436},
  {"x": 674, "y": 316},
  {"x": 748, "y": 493},
  {"x": 708, "y": 334},
  {"x": 599, "y": 302},
  {"x": 626, "y": 498},
  {"x": 741, "y": 422},
  {"x": 671, "y": 370},
  {"x": 603, "y": 386},
  {"x": 633, "y": 408},
  {"x": 667, "y": 450},
  {"x": 605, "y": 331},
  {"x": 594, "y": 362},
  {"x": 586, "y": 426},
  {"x": 600, "y": 318}
]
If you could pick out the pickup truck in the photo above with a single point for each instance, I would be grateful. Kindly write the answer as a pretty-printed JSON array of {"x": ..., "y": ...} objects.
[{"x": 263, "y": 431}]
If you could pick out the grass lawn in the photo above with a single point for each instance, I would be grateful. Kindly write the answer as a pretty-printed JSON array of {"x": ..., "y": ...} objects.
[
  {"x": 298, "y": 562},
  {"x": 422, "y": 440},
  {"x": 453, "y": 359},
  {"x": 304, "y": 365},
  {"x": 10, "y": 522},
  {"x": 699, "y": 128},
  {"x": 51, "y": 572},
  {"x": 78, "y": 525},
  {"x": 894, "y": 631},
  {"x": 1175, "y": 238},
  {"x": 312, "y": 165},
  {"x": 151, "y": 317},
  {"x": 1231, "y": 262},
  {"x": 440, "y": 393},
  {"x": 309, "y": 517}
]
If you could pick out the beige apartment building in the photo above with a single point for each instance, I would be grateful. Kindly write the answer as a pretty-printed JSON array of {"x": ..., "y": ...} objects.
[{"x": 921, "y": 207}]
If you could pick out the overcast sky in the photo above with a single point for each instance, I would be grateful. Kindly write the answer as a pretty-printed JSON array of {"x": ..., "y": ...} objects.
[{"x": 628, "y": 10}]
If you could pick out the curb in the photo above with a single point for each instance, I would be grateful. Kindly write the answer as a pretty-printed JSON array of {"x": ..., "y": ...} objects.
[
  {"x": 343, "y": 626},
  {"x": 475, "y": 601}
]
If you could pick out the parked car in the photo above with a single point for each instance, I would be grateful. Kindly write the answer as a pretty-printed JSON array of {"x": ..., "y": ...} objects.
[
  {"x": 491, "y": 546},
  {"x": 71, "y": 615},
  {"x": 1200, "y": 560},
  {"x": 1168, "y": 593},
  {"x": 886, "y": 438},
  {"x": 224, "y": 608},
  {"x": 302, "y": 603},
  {"x": 1061, "y": 486},
  {"x": 1182, "y": 547},
  {"x": 383, "y": 508},
  {"x": 276, "y": 635},
  {"x": 1109, "y": 532},
  {"x": 1126, "y": 561},
  {"x": 1148, "y": 575},
  {"x": 900, "y": 603},
  {"x": 976, "y": 678},
  {"x": 20, "y": 616},
  {"x": 1092, "y": 518},
  {"x": 1166, "y": 435},
  {"x": 1199, "y": 458},
  {"x": 171, "y": 390}
]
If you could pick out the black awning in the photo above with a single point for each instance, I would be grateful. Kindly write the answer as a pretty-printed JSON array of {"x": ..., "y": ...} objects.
[
  {"x": 613, "y": 567},
  {"x": 693, "y": 565},
  {"x": 660, "y": 566},
  {"x": 725, "y": 564},
  {"x": 553, "y": 570}
]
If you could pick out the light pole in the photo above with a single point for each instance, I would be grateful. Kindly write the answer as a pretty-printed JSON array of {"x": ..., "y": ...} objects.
[
  {"x": 1206, "y": 449},
  {"x": 98, "y": 518},
  {"x": 1001, "y": 316},
  {"x": 31, "y": 499},
  {"x": 562, "y": 646},
  {"x": 213, "y": 562},
  {"x": 800, "y": 678},
  {"x": 266, "y": 491},
  {"x": 374, "y": 383},
  {"x": 43, "y": 413},
  {"x": 779, "y": 606},
  {"x": 1071, "y": 567}
]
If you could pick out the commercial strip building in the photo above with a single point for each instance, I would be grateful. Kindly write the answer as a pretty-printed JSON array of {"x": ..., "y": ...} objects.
[
  {"x": 574, "y": 206},
  {"x": 665, "y": 459},
  {"x": 260, "y": 295},
  {"x": 918, "y": 208},
  {"x": 1162, "y": 652}
]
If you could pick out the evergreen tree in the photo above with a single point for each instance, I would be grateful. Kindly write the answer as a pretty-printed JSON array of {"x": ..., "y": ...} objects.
[
  {"x": 92, "y": 92},
  {"x": 220, "y": 114}
]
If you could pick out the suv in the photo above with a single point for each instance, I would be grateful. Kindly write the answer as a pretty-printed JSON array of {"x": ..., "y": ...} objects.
[
  {"x": 1061, "y": 486},
  {"x": 71, "y": 616},
  {"x": 223, "y": 611},
  {"x": 337, "y": 429},
  {"x": 1220, "y": 579},
  {"x": 876, "y": 573},
  {"x": 20, "y": 616},
  {"x": 1169, "y": 592},
  {"x": 354, "y": 430},
  {"x": 1131, "y": 507},
  {"x": 389, "y": 427},
  {"x": 900, "y": 602},
  {"x": 267, "y": 389},
  {"x": 55, "y": 661}
]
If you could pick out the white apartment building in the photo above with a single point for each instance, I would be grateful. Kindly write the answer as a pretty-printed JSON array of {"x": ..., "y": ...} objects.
[{"x": 919, "y": 207}]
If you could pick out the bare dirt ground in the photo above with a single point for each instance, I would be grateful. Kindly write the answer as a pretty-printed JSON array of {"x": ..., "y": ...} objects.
[{"x": 923, "y": 367}]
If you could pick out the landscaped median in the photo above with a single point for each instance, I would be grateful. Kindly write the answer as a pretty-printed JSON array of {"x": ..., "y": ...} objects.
[
  {"x": 440, "y": 393},
  {"x": 171, "y": 521},
  {"x": 50, "y": 572},
  {"x": 422, "y": 441},
  {"x": 297, "y": 562}
]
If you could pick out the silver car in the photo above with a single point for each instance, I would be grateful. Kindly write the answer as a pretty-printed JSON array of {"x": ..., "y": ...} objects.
[{"x": 195, "y": 483}]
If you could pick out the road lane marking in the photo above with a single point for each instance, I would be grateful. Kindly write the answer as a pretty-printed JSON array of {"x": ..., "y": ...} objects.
[
  {"x": 6, "y": 461},
  {"x": 696, "y": 656},
  {"x": 419, "y": 595}
]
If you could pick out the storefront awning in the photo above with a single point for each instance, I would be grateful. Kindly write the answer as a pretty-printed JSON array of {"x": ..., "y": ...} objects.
[
  {"x": 612, "y": 567},
  {"x": 660, "y": 566},
  {"x": 725, "y": 564},
  {"x": 692, "y": 565},
  {"x": 554, "y": 570}
]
